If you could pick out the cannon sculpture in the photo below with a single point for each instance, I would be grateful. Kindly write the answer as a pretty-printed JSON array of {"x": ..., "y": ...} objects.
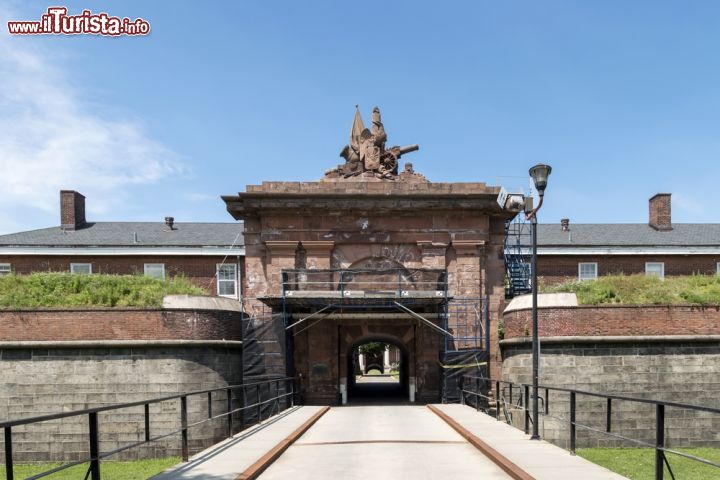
[{"x": 366, "y": 151}]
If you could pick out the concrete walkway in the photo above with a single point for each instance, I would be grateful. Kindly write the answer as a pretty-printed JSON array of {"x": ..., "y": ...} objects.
[
  {"x": 539, "y": 459},
  {"x": 382, "y": 442},
  {"x": 228, "y": 459}
]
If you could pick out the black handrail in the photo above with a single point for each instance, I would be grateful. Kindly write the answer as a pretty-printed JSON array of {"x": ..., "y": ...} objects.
[
  {"x": 96, "y": 455},
  {"x": 660, "y": 449}
]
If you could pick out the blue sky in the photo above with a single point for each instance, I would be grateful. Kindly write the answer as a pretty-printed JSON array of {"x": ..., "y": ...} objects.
[{"x": 621, "y": 98}]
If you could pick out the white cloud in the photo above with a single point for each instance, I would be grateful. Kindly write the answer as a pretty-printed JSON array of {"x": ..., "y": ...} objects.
[
  {"x": 50, "y": 139},
  {"x": 693, "y": 208}
]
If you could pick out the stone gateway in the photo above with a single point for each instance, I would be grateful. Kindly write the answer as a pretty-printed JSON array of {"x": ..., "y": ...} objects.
[{"x": 369, "y": 254}]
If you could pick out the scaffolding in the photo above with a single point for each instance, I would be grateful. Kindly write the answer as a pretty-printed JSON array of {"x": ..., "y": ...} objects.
[{"x": 416, "y": 293}]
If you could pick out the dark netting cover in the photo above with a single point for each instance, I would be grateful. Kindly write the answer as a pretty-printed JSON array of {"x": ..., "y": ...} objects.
[
  {"x": 458, "y": 364},
  {"x": 264, "y": 358}
]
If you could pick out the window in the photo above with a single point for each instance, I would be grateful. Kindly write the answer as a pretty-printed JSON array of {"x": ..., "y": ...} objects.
[
  {"x": 81, "y": 268},
  {"x": 155, "y": 270},
  {"x": 587, "y": 271},
  {"x": 655, "y": 269},
  {"x": 227, "y": 280},
  {"x": 6, "y": 270}
]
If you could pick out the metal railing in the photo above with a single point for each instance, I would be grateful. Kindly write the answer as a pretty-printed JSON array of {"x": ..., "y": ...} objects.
[
  {"x": 398, "y": 282},
  {"x": 248, "y": 391},
  {"x": 504, "y": 398}
]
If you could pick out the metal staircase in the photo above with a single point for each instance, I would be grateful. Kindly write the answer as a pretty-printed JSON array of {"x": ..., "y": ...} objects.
[{"x": 517, "y": 250}]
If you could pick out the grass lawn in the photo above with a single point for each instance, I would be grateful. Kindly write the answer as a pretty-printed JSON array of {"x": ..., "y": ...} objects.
[
  {"x": 136, "y": 470},
  {"x": 97, "y": 290},
  {"x": 639, "y": 463},
  {"x": 644, "y": 290}
]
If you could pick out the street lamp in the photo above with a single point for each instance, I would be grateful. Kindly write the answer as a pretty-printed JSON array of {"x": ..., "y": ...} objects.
[{"x": 539, "y": 174}]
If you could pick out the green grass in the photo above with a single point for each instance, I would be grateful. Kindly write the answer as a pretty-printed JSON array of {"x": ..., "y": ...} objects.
[
  {"x": 644, "y": 290},
  {"x": 66, "y": 290},
  {"x": 135, "y": 470},
  {"x": 374, "y": 371},
  {"x": 639, "y": 463}
]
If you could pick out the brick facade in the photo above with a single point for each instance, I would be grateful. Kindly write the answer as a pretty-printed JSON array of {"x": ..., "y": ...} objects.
[
  {"x": 615, "y": 320},
  {"x": 554, "y": 269},
  {"x": 200, "y": 270},
  {"x": 119, "y": 324}
]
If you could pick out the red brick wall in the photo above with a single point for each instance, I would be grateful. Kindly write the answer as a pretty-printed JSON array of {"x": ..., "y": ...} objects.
[
  {"x": 200, "y": 270},
  {"x": 591, "y": 320},
  {"x": 119, "y": 324},
  {"x": 557, "y": 268}
]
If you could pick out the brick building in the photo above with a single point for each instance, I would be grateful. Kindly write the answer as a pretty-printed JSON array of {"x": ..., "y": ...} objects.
[
  {"x": 585, "y": 251},
  {"x": 208, "y": 254}
]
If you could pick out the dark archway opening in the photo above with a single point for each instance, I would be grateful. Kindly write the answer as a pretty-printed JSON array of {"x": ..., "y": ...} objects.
[{"x": 383, "y": 376}]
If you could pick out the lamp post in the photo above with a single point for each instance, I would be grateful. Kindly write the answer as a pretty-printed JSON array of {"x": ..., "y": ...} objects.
[{"x": 539, "y": 174}]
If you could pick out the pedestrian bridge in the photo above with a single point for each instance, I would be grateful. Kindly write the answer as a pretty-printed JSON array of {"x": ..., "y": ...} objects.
[{"x": 384, "y": 442}]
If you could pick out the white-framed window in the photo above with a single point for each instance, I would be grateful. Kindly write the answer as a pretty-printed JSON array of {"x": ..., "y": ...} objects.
[
  {"x": 155, "y": 270},
  {"x": 587, "y": 271},
  {"x": 655, "y": 269},
  {"x": 81, "y": 268},
  {"x": 227, "y": 280},
  {"x": 6, "y": 268}
]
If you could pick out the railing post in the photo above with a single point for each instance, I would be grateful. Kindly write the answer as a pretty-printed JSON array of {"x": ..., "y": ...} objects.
[
  {"x": 462, "y": 390},
  {"x": 342, "y": 285},
  {"x": 8, "y": 454},
  {"x": 292, "y": 396},
  {"x": 477, "y": 396},
  {"x": 608, "y": 415},
  {"x": 229, "y": 415},
  {"x": 183, "y": 426},
  {"x": 511, "y": 391},
  {"x": 497, "y": 400},
  {"x": 547, "y": 401},
  {"x": 659, "y": 441},
  {"x": 259, "y": 405},
  {"x": 147, "y": 422},
  {"x": 573, "y": 428},
  {"x": 94, "y": 446},
  {"x": 277, "y": 395},
  {"x": 399, "y": 282},
  {"x": 209, "y": 405},
  {"x": 527, "y": 409}
]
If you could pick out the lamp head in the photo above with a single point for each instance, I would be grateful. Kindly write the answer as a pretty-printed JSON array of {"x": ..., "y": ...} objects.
[{"x": 540, "y": 174}]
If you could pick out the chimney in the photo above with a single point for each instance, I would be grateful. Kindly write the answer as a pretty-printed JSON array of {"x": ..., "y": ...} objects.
[
  {"x": 565, "y": 224},
  {"x": 660, "y": 215},
  {"x": 72, "y": 210},
  {"x": 169, "y": 222}
]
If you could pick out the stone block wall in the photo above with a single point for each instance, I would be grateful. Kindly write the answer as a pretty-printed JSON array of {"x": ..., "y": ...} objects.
[
  {"x": 661, "y": 352},
  {"x": 680, "y": 371},
  {"x": 45, "y": 379}
]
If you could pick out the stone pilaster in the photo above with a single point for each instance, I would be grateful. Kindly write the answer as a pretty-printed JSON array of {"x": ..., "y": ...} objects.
[
  {"x": 280, "y": 255},
  {"x": 318, "y": 253},
  {"x": 433, "y": 254},
  {"x": 466, "y": 280}
]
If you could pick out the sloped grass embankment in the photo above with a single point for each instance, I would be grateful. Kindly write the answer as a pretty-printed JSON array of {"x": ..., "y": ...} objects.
[{"x": 58, "y": 290}]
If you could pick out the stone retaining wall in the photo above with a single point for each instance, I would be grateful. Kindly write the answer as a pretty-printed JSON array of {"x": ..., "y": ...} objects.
[
  {"x": 669, "y": 353},
  {"x": 62, "y": 360}
]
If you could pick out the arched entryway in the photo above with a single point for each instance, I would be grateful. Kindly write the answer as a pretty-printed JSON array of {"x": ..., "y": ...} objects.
[{"x": 384, "y": 377}]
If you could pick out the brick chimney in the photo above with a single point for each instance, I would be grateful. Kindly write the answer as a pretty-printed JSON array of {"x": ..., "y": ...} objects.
[
  {"x": 72, "y": 210},
  {"x": 660, "y": 214},
  {"x": 565, "y": 224}
]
